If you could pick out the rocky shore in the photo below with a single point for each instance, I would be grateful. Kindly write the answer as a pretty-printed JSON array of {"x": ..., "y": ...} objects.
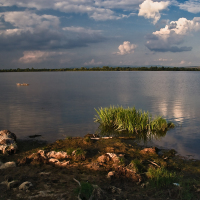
[{"x": 95, "y": 168}]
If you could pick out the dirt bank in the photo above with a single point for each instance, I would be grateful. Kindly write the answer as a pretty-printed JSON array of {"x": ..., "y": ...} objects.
[{"x": 120, "y": 167}]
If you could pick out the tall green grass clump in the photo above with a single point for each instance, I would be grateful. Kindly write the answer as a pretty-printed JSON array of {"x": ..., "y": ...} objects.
[{"x": 129, "y": 119}]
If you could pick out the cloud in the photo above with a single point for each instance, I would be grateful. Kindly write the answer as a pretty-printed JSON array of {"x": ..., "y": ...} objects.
[
  {"x": 26, "y": 19},
  {"x": 99, "y": 10},
  {"x": 41, "y": 56},
  {"x": 167, "y": 39},
  {"x": 151, "y": 10},
  {"x": 82, "y": 30},
  {"x": 182, "y": 62},
  {"x": 163, "y": 59},
  {"x": 126, "y": 48},
  {"x": 92, "y": 62},
  {"x": 39, "y": 32},
  {"x": 192, "y": 6}
]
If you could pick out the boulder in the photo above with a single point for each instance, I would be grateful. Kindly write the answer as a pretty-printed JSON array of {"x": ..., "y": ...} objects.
[
  {"x": 111, "y": 174},
  {"x": 13, "y": 184},
  {"x": 7, "y": 165},
  {"x": 103, "y": 159},
  {"x": 8, "y": 142},
  {"x": 25, "y": 185},
  {"x": 57, "y": 155},
  {"x": 149, "y": 151}
]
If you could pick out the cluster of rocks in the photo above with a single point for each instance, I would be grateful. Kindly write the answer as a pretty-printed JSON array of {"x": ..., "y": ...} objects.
[
  {"x": 7, "y": 142},
  {"x": 52, "y": 157}
]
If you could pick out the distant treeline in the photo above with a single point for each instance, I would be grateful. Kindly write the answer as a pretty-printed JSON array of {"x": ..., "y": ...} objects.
[{"x": 106, "y": 68}]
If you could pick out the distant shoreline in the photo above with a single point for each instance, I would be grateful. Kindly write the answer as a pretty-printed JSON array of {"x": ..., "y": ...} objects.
[{"x": 106, "y": 68}]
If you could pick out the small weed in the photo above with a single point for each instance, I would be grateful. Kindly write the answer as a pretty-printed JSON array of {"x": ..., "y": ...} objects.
[
  {"x": 69, "y": 151},
  {"x": 121, "y": 161},
  {"x": 68, "y": 137},
  {"x": 85, "y": 190},
  {"x": 161, "y": 177},
  {"x": 87, "y": 139},
  {"x": 56, "y": 150},
  {"x": 80, "y": 151},
  {"x": 138, "y": 166}
]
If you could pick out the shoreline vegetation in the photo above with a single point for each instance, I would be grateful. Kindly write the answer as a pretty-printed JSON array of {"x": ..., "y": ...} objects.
[
  {"x": 95, "y": 167},
  {"x": 119, "y": 121},
  {"x": 105, "y": 68},
  {"x": 130, "y": 120},
  {"x": 115, "y": 168}
]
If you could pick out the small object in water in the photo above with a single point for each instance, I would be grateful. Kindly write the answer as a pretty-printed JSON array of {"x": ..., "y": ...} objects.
[
  {"x": 22, "y": 84},
  {"x": 34, "y": 136}
]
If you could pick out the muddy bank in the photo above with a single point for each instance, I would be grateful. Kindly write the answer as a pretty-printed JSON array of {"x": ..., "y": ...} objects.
[{"x": 118, "y": 166}]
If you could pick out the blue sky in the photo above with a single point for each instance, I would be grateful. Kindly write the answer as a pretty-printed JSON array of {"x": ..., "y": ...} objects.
[{"x": 90, "y": 33}]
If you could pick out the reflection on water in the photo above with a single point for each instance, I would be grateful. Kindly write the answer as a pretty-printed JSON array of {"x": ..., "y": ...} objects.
[
  {"x": 141, "y": 136},
  {"x": 60, "y": 104}
]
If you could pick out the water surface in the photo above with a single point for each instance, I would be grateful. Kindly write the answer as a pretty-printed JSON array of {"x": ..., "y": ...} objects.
[{"x": 61, "y": 104}]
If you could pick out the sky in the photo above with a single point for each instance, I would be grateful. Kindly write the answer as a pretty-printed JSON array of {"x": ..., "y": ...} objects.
[{"x": 96, "y": 33}]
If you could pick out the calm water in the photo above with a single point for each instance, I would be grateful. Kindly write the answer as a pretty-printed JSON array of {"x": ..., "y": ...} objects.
[{"x": 60, "y": 104}]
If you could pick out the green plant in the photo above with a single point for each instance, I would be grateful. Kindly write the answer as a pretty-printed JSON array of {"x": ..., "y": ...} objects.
[
  {"x": 80, "y": 151},
  {"x": 68, "y": 137},
  {"x": 87, "y": 139},
  {"x": 85, "y": 190},
  {"x": 129, "y": 119},
  {"x": 161, "y": 177},
  {"x": 137, "y": 166},
  {"x": 69, "y": 151},
  {"x": 121, "y": 161}
]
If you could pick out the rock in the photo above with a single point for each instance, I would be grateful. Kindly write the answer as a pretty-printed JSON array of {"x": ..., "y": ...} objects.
[
  {"x": 24, "y": 161},
  {"x": 104, "y": 158},
  {"x": 57, "y": 155},
  {"x": 94, "y": 165},
  {"x": 62, "y": 164},
  {"x": 111, "y": 174},
  {"x": 53, "y": 160},
  {"x": 98, "y": 193},
  {"x": 45, "y": 173},
  {"x": 42, "y": 154},
  {"x": 113, "y": 157},
  {"x": 149, "y": 151},
  {"x": 127, "y": 173},
  {"x": 110, "y": 149},
  {"x": 8, "y": 142},
  {"x": 25, "y": 185},
  {"x": 7, "y": 165},
  {"x": 13, "y": 184},
  {"x": 114, "y": 189}
]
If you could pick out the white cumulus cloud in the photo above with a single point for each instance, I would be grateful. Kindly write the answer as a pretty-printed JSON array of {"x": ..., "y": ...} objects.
[
  {"x": 192, "y": 6},
  {"x": 126, "y": 48},
  {"x": 39, "y": 56},
  {"x": 151, "y": 10},
  {"x": 92, "y": 62},
  {"x": 167, "y": 38}
]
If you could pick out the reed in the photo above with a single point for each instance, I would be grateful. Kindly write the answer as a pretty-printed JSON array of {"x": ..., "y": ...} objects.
[{"x": 130, "y": 120}]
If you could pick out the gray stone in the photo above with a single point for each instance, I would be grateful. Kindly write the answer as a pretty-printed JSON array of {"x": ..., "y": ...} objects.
[
  {"x": 25, "y": 185},
  {"x": 7, "y": 142},
  {"x": 13, "y": 184},
  {"x": 7, "y": 165}
]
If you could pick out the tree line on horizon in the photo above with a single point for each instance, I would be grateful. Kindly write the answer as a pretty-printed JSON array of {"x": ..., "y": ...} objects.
[{"x": 106, "y": 68}]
